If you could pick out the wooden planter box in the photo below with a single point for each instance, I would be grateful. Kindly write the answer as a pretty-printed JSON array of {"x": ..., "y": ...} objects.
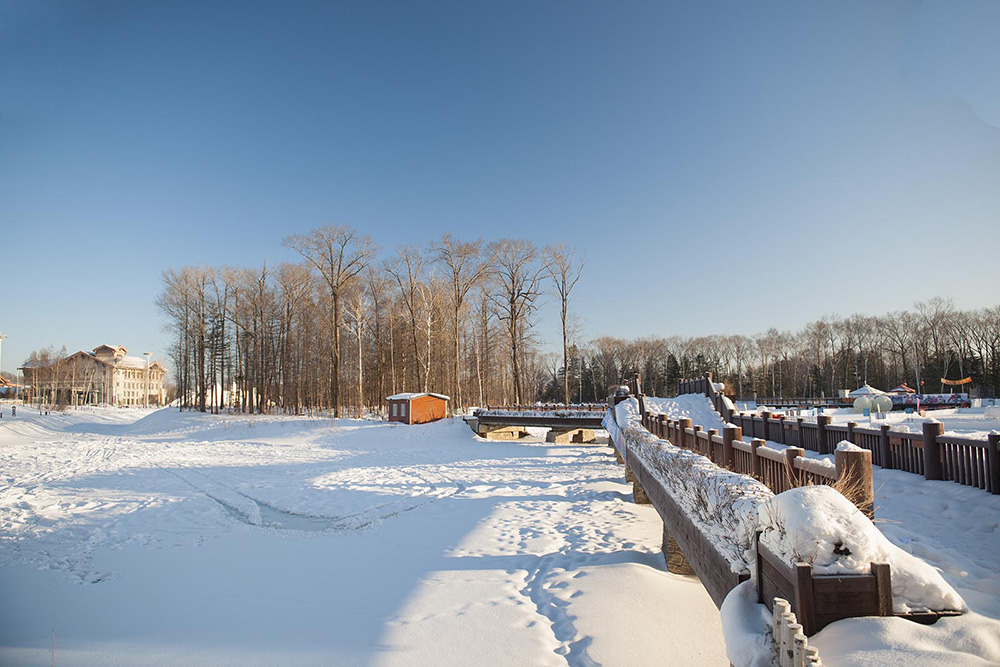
[{"x": 818, "y": 600}]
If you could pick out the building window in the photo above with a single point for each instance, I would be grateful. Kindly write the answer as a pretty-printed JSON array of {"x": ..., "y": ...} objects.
[{"x": 395, "y": 407}]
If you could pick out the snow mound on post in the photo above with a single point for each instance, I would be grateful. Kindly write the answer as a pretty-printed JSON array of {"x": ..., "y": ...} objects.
[{"x": 818, "y": 525}]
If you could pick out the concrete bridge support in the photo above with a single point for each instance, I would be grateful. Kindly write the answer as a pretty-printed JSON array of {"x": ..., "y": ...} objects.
[
  {"x": 570, "y": 435},
  {"x": 502, "y": 432}
]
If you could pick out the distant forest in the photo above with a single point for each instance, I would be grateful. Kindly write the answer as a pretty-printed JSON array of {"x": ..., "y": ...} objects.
[
  {"x": 347, "y": 326},
  {"x": 344, "y": 328},
  {"x": 918, "y": 347}
]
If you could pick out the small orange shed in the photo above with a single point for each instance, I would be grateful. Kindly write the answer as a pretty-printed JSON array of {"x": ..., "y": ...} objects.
[{"x": 417, "y": 408}]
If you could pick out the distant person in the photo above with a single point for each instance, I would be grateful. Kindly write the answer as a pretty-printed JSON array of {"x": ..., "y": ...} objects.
[{"x": 13, "y": 411}]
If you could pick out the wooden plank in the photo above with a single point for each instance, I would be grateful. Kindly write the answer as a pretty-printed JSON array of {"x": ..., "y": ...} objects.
[
  {"x": 883, "y": 587},
  {"x": 804, "y": 604}
]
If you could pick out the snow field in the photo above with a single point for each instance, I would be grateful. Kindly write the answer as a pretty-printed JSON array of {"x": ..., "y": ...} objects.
[{"x": 149, "y": 538}]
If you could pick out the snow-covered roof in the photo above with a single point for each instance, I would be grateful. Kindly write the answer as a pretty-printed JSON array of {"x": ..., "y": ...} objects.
[
  {"x": 865, "y": 390},
  {"x": 131, "y": 362},
  {"x": 903, "y": 389},
  {"x": 409, "y": 396}
]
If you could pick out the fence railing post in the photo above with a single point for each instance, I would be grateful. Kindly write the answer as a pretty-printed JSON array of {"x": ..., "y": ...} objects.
[
  {"x": 821, "y": 422},
  {"x": 932, "y": 450},
  {"x": 695, "y": 445},
  {"x": 883, "y": 447},
  {"x": 683, "y": 424},
  {"x": 765, "y": 433},
  {"x": 854, "y": 478},
  {"x": 712, "y": 432},
  {"x": 993, "y": 461},
  {"x": 730, "y": 433},
  {"x": 663, "y": 427},
  {"x": 791, "y": 453},
  {"x": 754, "y": 461},
  {"x": 850, "y": 432}
]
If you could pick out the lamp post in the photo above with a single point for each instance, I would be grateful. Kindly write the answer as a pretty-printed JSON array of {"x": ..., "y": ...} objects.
[
  {"x": 1, "y": 354},
  {"x": 2, "y": 337},
  {"x": 146, "y": 390}
]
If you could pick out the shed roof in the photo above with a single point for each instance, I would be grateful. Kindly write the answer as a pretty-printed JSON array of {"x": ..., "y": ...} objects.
[{"x": 409, "y": 396}]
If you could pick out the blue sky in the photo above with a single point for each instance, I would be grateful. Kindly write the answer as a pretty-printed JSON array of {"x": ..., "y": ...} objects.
[{"x": 710, "y": 158}]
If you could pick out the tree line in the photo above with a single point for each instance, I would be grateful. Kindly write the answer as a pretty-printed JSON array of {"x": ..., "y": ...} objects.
[
  {"x": 347, "y": 325},
  {"x": 921, "y": 346}
]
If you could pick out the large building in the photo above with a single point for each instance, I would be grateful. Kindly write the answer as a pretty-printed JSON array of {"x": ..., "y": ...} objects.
[{"x": 106, "y": 375}]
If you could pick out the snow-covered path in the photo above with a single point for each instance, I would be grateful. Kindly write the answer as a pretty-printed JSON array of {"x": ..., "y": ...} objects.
[{"x": 193, "y": 539}]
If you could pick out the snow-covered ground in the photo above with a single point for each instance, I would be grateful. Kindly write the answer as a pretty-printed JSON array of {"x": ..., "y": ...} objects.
[{"x": 155, "y": 538}]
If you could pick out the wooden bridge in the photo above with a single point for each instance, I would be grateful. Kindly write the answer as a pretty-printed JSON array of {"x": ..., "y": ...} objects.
[{"x": 573, "y": 424}]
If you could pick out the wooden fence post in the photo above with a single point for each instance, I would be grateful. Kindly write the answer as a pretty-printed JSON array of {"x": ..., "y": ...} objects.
[
  {"x": 730, "y": 433},
  {"x": 932, "y": 450},
  {"x": 766, "y": 434},
  {"x": 854, "y": 477},
  {"x": 850, "y": 432},
  {"x": 821, "y": 422},
  {"x": 682, "y": 424},
  {"x": 993, "y": 461},
  {"x": 754, "y": 461},
  {"x": 712, "y": 432},
  {"x": 883, "y": 447},
  {"x": 695, "y": 445},
  {"x": 791, "y": 453},
  {"x": 663, "y": 427}
]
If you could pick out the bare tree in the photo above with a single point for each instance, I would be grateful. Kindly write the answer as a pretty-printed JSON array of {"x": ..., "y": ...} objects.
[
  {"x": 564, "y": 269},
  {"x": 339, "y": 254},
  {"x": 464, "y": 269},
  {"x": 519, "y": 274}
]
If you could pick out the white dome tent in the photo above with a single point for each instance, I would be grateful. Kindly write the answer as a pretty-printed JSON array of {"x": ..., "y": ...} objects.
[{"x": 865, "y": 390}]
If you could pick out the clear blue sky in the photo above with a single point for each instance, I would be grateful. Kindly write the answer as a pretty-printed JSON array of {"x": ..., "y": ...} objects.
[{"x": 711, "y": 158}]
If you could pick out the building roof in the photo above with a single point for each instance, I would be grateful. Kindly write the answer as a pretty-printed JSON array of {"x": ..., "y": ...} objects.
[
  {"x": 132, "y": 362},
  {"x": 409, "y": 396}
]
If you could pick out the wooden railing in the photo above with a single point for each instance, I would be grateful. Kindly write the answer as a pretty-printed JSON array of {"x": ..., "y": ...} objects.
[
  {"x": 779, "y": 470},
  {"x": 968, "y": 461},
  {"x": 548, "y": 407}
]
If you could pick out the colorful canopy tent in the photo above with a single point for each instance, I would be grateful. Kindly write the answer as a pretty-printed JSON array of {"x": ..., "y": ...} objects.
[{"x": 865, "y": 390}]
